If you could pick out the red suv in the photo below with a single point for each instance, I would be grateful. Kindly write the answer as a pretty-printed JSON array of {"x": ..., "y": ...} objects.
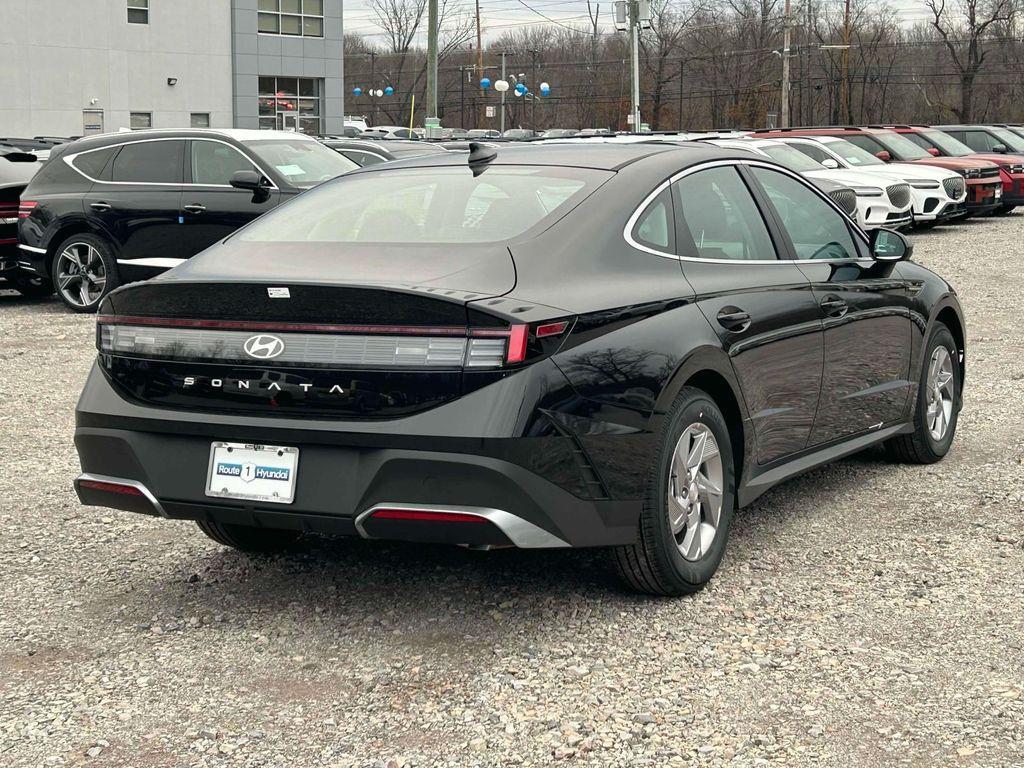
[
  {"x": 988, "y": 142},
  {"x": 984, "y": 183}
]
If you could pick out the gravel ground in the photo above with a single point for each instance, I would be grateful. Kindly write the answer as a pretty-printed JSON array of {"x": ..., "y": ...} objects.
[{"x": 865, "y": 615}]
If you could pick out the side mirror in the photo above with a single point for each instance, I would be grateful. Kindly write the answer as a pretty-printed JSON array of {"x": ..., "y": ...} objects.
[
  {"x": 829, "y": 163},
  {"x": 1002, "y": 149},
  {"x": 933, "y": 151},
  {"x": 883, "y": 155},
  {"x": 890, "y": 245},
  {"x": 249, "y": 180}
]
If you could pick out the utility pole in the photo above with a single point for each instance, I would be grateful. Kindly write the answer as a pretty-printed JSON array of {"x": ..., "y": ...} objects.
[
  {"x": 341, "y": 43},
  {"x": 373, "y": 82},
  {"x": 784, "y": 105},
  {"x": 503, "y": 92},
  {"x": 844, "y": 86},
  {"x": 479, "y": 59},
  {"x": 680, "y": 95},
  {"x": 431, "y": 94},
  {"x": 533, "y": 79},
  {"x": 631, "y": 15}
]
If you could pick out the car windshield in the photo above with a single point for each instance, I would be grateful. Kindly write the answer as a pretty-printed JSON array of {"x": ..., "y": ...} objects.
[
  {"x": 947, "y": 144},
  {"x": 901, "y": 148},
  {"x": 428, "y": 205},
  {"x": 302, "y": 163},
  {"x": 1013, "y": 142},
  {"x": 852, "y": 154},
  {"x": 792, "y": 158}
]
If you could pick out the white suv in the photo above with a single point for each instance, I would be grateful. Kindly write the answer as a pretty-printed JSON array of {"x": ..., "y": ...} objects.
[{"x": 937, "y": 194}]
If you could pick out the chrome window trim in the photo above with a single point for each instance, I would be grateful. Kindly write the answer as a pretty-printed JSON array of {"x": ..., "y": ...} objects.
[
  {"x": 522, "y": 533},
  {"x": 627, "y": 232},
  {"x": 69, "y": 159}
]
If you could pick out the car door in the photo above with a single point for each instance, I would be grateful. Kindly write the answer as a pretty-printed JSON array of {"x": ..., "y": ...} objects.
[
  {"x": 863, "y": 304},
  {"x": 211, "y": 209},
  {"x": 759, "y": 304},
  {"x": 138, "y": 206}
]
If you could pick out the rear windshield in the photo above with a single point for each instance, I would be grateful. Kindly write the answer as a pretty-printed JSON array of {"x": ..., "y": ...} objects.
[
  {"x": 428, "y": 205},
  {"x": 302, "y": 163}
]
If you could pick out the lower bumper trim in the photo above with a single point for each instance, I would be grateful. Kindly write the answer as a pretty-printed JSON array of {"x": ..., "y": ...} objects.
[{"x": 90, "y": 491}]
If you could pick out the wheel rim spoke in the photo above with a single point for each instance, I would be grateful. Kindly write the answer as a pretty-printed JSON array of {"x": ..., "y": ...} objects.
[
  {"x": 941, "y": 385},
  {"x": 695, "y": 491}
]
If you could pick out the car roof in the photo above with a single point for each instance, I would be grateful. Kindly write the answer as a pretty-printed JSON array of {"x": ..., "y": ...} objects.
[
  {"x": 241, "y": 135},
  {"x": 610, "y": 157}
]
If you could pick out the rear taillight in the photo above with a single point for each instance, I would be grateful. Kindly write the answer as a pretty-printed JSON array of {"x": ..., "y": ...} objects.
[
  {"x": 25, "y": 208},
  {"x": 427, "y": 516},
  {"x": 99, "y": 485}
]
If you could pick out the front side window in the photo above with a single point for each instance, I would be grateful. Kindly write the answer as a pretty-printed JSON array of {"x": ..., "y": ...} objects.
[
  {"x": 302, "y": 162},
  {"x": 855, "y": 155},
  {"x": 867, "y": 143},
  {"x": 428, "y": 205},
  {"x": 816, "y": 229},
  {"x": 138, "y": 11},
  {"x": 722, "y": 218},
  {"x": 151, "y": 162},
  {"x": 139, "y": 121},
  {"x": 216, "y": 163},
  {"x": 813, "y": 151},
  {"x": 948, "y": 144},
  {"x": 299, "y": 18},
  {"x": 793, "y": 159},
  {"x": 902, "y": 148}
]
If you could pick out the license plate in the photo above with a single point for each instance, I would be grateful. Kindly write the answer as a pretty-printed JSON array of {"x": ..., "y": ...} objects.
[
  {"x": 999, "y": 191},
  {"x": 264, "y": 473}
]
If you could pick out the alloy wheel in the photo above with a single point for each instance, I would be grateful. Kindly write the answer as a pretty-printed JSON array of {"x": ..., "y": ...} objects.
[
  {"x": 81, "y": 276},
  {"x": 695, "y": 491},
  {"x": 940, "y": 393}
]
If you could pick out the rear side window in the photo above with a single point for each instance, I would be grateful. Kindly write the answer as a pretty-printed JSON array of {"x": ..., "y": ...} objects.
[
  {"x": 363, "y": 158},
  {"x": 215, "y": 163},
  {"x": 96, "y": 164},
  {"x": 428, "y": 205},
  {"x": 721, "y": 216},
  {"x": 152, "y": 162},
  {"x": 980, "y": 141},
  {"x": 655, "y": 226}
]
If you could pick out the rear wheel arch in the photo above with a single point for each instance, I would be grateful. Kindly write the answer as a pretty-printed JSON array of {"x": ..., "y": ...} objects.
[
  {"x": 950, "y": 318},
  {"x": 69, "y": 229}
]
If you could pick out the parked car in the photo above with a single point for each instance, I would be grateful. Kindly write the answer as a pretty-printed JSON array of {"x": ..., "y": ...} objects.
[
  {"x": 518, "y": 134},
  {"x": 483, "y": 133},
  {"x": 987, "y": 142},
  {"x": 556, "y": 346},
  {"x": 937, "y": 194},
  {"x": 984, "y": 186},
  {"x": 365, "y": 152},
  {"x": 17, "y": 167},
  {"x": 596, "y": 132},
  {"x": 390, "y": 132},
  {"x": 39, "y": 147},
  {"x": 559, "y": 133},
  {"x": 114, "y": 208},
  {"x": 880, "y": 200}
]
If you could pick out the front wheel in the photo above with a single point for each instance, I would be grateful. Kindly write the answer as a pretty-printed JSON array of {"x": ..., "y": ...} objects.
[
  {"x": 690, "y": 498},
  {"x": 1003, "y": 210},
  {"x": 84, "y": 271},
  {"x": 938, "y": 404}
]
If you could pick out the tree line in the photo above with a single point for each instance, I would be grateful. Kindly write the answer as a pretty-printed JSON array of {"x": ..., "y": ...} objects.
[{"x": 705, "y": 65}]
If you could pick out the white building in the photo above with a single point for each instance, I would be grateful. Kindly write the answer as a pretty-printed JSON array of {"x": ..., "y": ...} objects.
[{"x": 75, "y": 67}]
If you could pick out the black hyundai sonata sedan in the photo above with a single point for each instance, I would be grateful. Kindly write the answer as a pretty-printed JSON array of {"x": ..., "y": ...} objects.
[{"x": 541, "y": 346}]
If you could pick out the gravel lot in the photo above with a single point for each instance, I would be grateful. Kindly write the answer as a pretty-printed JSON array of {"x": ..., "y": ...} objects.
[{"x": 865, "y": 615}]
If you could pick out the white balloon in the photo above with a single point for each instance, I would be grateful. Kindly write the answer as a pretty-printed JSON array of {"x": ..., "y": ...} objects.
[
  {"x": 501, "y": 85},
  {"x": 544, "y": 86},
  {"x": 380, "y": 92}
]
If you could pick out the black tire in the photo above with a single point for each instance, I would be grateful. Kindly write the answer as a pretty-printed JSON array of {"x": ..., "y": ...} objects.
[
  {"x": 919, "y": 446},
  {"x": 32, "y": 287},
  {"x": 74, "y": 299},
  {"x": 654, "y": 564},
  {"x": 246, "y": 538},
  {"x": 1003, "y": 210}
]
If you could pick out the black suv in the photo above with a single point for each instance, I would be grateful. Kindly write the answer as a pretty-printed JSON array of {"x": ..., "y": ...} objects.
[
  {"x": 16, "y": 168},
  {"x": 111, "y": 209}
]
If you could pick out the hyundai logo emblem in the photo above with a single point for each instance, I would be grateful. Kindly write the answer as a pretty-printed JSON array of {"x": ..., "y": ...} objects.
[{"x": 263, "y": 347}]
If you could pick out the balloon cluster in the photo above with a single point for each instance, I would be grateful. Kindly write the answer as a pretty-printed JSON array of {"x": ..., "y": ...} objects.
[{"x": 389, "y": 91}]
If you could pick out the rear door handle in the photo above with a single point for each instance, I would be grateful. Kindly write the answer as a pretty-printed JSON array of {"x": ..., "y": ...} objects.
[
  {"x": 100, "y": 206},
  {"x": 733, "y": 319},
  {"x": 833, "y": 306},
  {"x": 195, "y": 208}
]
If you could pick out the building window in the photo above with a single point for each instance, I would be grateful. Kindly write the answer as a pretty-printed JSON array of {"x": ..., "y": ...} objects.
[
  {"x": 139, "y": 121},
  {"x": 290, "y": 104},
  {"x": 300, "y": 18},
  {"x": 200, "y": 119},
  {"x": 138, "y": 11}
]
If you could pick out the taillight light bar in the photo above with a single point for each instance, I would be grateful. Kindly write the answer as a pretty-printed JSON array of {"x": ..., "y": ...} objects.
[
  {"x": 99, "y": 485},
  {"x": 427, "y": 516},
  {"x": 25, "y": 208}
]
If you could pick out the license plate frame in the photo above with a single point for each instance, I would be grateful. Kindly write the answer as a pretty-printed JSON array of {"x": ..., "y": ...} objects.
[{"x": 251, "y": 472}]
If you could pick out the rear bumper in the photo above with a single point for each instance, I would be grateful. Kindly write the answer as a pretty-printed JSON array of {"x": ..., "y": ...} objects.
[{"x": 531, "y": 491}]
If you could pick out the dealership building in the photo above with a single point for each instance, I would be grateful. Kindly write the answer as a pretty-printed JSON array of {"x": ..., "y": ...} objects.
[{"x": 76, "y": 67}]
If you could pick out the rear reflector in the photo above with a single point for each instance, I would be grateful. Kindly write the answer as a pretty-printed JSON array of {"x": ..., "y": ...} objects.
[
  {"x": 25, "y": 208},
  {"x": 427, "y": 516},
  {"x": 551, "y": 329},
  {"x": 98, "y": 485}
]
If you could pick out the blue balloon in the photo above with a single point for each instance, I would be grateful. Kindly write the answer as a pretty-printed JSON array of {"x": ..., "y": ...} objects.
[
  {"x": 545, "y": 90},
  {"x": 357, "y": 91},
  {"x": 520, "y": 89},
  {"x": 388, "y": 91},
  {"x": 485, "y": 83}
]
